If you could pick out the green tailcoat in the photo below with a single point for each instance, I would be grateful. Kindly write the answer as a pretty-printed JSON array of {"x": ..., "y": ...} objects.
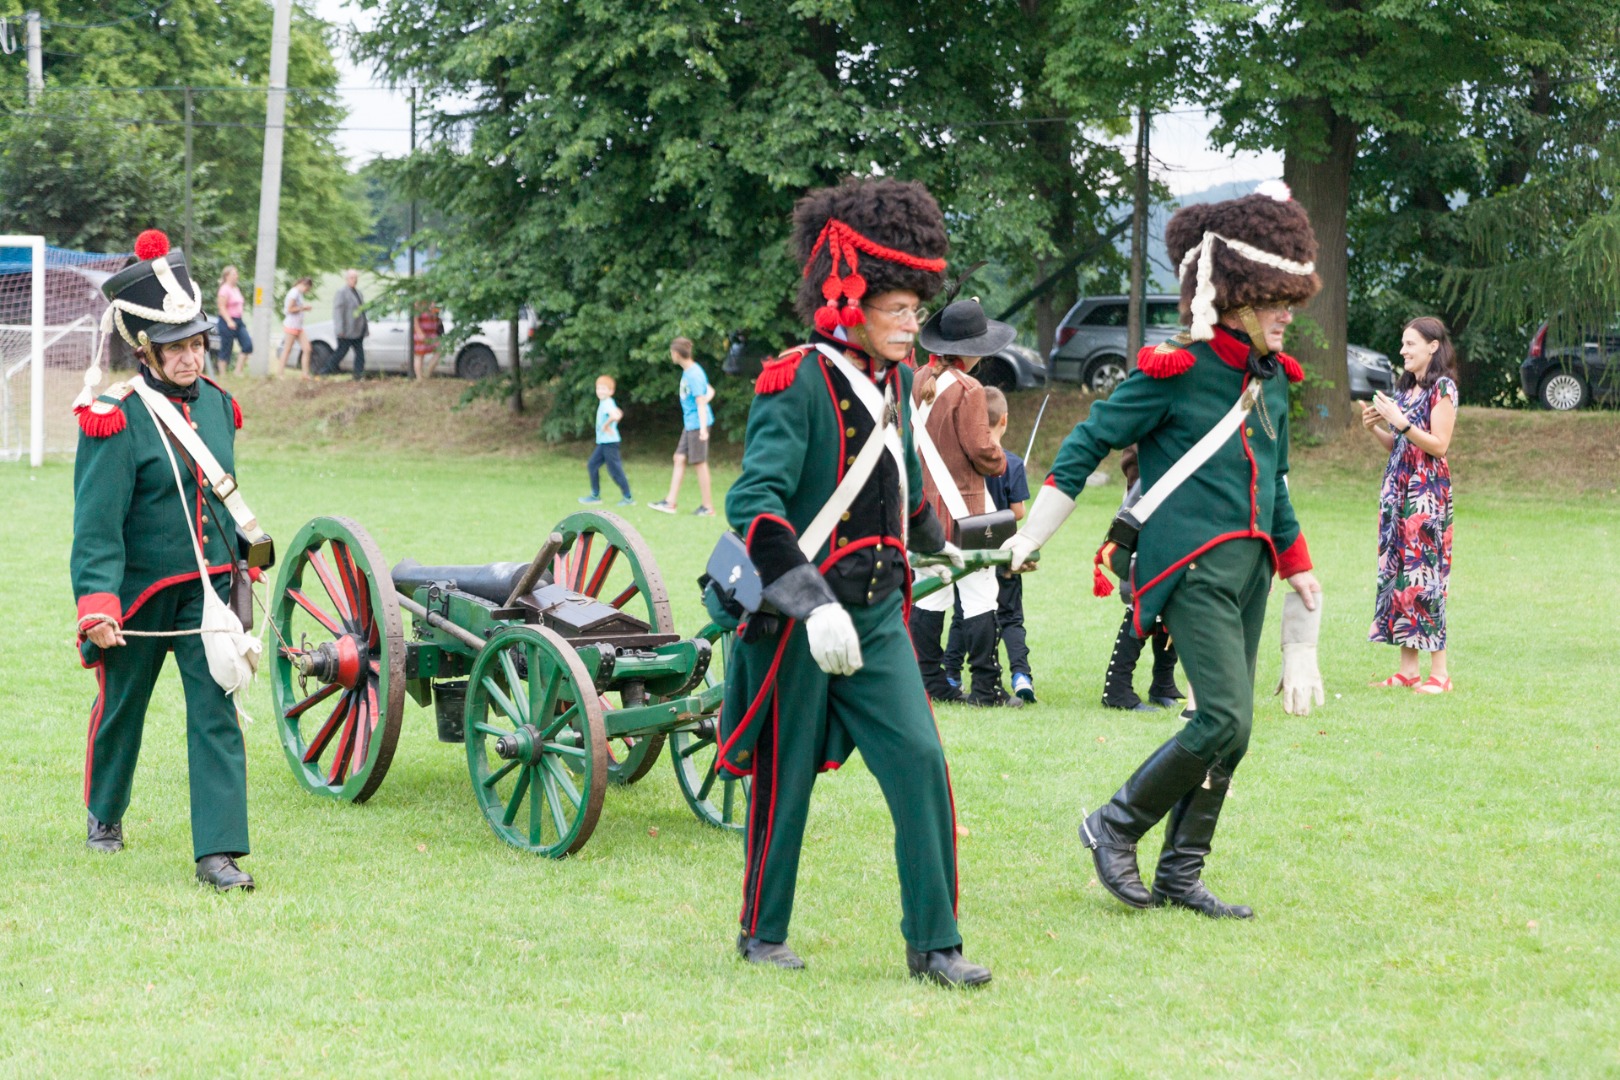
[{"x": 1172, "y": 400}]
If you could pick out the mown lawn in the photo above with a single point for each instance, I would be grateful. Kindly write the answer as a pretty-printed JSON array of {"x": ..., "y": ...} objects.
[{"x": 1438, "y": 880}]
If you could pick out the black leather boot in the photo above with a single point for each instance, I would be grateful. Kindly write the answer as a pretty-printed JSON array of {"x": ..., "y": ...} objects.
[
  {"x": 223, "y": 874},
  {"x": 1118, "y": 693},
  {"x": 1112, "y": 832},
  {"x": 755, "y": 951},
  {"x": 105, "y": 836},
  {"x": 927, "y": 628},
  {"x": 1187, "y": 835},
  {"x": 1164, "y": 690},
  {"x": 945, "y": 967}
]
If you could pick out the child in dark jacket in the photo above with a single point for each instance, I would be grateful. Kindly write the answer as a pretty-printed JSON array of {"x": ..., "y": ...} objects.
[{"x": 1118, "y": 689}]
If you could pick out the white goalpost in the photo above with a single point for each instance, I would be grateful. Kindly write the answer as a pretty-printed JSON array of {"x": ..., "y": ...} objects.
[{"x": 35, "y": 359}]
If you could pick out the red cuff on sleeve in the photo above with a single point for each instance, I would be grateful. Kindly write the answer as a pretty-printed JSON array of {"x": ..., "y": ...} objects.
[
  {"x": 1296, "y": 560},
  {"x": 100, "y": 603}
]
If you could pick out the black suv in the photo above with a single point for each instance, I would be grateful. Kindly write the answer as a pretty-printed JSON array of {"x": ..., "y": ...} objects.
[
  {"x": 1565, "y": 377},
  {"x": 1090, "y": 347}
]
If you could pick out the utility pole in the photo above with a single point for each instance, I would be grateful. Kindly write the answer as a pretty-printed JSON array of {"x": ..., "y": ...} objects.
[
  {"x": 275, "y": 128},
  {"x": 186, "y": 242},
  {"x": 36, "y": 62},
  {"x": 1139, "y": 222},
  {"x": 411, "y": 232}
]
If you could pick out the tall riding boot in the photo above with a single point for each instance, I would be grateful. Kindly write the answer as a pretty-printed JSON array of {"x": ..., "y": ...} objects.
[
  {"x": 1118, "y": 693},
  {"x": 927, "y": 627},
  {"x": 979, "y": 635},
  {"x": 1112, "y": 832},
  {"x": 1187, "y": 836},
  {"x": 1164, "y": 690}
]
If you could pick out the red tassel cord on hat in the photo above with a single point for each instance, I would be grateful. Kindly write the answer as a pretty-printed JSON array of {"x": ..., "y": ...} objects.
[{"x": 843, "y": 293}]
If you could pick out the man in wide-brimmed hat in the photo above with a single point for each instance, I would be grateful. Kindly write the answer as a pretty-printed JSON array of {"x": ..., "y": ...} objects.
[
  {"x": 826, "y": 665},
  {"x": 1207, "y": 534},
  {"x": 135, "y": 570}
]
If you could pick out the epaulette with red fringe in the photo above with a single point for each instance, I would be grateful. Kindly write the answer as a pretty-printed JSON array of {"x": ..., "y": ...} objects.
[
  {"x": 1291, "y": 368},
  {"x": 99, "y": 419},
  {"x": 1165, "y": 361},
  {"x": 777, "y": 375},
  {"x": 236, "y": 406}
]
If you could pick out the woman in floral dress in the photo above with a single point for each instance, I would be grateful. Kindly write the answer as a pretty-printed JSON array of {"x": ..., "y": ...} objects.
[{"x": 1414, "y": 518}]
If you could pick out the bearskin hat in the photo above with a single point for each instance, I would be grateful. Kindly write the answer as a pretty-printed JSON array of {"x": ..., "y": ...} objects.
[
  {"x": 1252, "y": 251},
  {"x": 864, "y": 238}
]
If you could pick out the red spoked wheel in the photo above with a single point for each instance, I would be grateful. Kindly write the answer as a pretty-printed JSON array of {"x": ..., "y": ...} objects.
[
  {"x": 338, "y": 673},
  {"x": 604, "y": 557}
]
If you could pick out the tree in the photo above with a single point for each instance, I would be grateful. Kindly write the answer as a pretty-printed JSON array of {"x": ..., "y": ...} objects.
[{"x": 114, "y": 82}]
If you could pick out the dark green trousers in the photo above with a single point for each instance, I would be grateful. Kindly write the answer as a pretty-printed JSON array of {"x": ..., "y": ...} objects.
[
  {"x": 214, "y": 749},
  {"x": 1215, "y": 616},
  {"x": 810, "y": 722}
]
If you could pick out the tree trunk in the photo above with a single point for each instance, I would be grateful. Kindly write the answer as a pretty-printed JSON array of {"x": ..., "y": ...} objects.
[
  {"x": 1139, "y": 220},
  {"x": 1320, "y": 179},
  {"x": 514, "y": 352}
]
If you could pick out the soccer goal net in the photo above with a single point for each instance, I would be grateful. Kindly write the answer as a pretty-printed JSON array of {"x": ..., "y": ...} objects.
[{"x": 50, "y": 325}]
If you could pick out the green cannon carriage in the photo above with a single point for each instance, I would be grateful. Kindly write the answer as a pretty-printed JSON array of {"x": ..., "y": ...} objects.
[{"x": 560, "y": 676}]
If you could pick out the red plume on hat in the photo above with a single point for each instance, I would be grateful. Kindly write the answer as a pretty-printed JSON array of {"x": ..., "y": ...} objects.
[{"x": 151, "y": 244}]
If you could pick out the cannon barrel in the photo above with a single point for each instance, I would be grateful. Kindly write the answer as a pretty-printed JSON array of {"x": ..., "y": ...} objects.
[{"x": 491, "y": 581}]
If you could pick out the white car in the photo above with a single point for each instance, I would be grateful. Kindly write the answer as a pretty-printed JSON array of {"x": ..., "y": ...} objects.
[{"x": 388, "y": 348}]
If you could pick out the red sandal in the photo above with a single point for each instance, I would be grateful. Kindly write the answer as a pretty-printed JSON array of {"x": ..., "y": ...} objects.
[
  {"x": 1406, "y": 682},
  {"x": 1432, "y": 685}
]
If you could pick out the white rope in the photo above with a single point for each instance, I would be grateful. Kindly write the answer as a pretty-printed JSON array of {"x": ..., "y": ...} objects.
[
  {"x": 1204, "y": 315},
  {"x": 175, "y": 313}
]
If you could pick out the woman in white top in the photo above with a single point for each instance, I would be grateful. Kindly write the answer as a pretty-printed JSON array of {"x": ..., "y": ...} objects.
[{"x": 292, "y": 324}]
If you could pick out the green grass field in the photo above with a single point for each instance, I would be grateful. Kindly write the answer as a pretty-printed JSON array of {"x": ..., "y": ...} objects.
[{"x": 1437, "y": 879}]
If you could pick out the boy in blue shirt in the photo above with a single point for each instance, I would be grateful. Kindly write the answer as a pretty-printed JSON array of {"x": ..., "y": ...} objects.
[
  {"x": 608, "y": 415},
  {"x": 696, "y": 420},
  {"x": 1009, "y": 491}
]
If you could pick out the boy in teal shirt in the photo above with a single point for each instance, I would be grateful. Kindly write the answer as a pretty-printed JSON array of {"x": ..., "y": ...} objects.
[{"x": 608, "y": 415}]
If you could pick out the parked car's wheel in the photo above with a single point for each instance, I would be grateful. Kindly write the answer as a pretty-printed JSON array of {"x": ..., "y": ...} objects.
[
  {"x": 1104, "y": 373},
  {"x": 320, "y": 358},
  {"x": 477, "y": 362},
  {"x": 996, "y": 372},
  {"x": 1563, "y": 391}
]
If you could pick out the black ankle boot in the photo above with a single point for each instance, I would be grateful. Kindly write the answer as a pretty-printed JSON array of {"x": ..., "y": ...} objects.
[
  {"x": 223, "y": 874},
  {"x": 776, "y": 953},
  {"x": 979, "y": 638},
  {"x": 1187, "y": 835},
  {"x": 927, "y": 627},
  {"x": 105, "y": 836},
  {"x": 946, "y": 967},
  {"x": 1118, "y": 693},
  {"x": 1164, "y": 690},
  {"x": 1112, "y": 832}
]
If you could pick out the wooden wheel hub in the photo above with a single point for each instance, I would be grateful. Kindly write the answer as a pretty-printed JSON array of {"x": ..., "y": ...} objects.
[{"x": 343, "y": 661}]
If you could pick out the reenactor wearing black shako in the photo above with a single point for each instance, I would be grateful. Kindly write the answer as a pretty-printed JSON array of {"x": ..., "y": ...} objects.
[
  {"x": 135, "y": 566},
  {"x": 1209, "y": 413},
  {"x": 825, "y": 665}
]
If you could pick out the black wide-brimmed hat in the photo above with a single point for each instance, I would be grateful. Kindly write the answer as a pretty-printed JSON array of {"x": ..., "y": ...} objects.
[
  {"x": 156, "y": 295},
  {"x": 962, "y": 329}
]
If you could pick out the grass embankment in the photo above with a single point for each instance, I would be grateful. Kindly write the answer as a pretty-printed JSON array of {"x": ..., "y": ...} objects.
[{"x": 1435, "y": 877}]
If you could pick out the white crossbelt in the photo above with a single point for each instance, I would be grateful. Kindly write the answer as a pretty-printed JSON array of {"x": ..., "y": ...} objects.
[
  {"x": 937, "y": 468},
  {"x": 1201, "y": 451},
  {"x": 885, "y": 436},
  {"x": 224, "y": 483}
]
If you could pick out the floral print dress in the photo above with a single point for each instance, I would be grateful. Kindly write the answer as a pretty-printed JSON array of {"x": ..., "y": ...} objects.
[{"x": 1414, "y": 533}]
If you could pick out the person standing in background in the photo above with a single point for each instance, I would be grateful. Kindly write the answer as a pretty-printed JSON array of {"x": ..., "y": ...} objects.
[
  {"x": 1119, "y": 690},
  {"x": 608, "y": 415},
  {"x": 425, "y": 340},
  {"x": 292, "y": 324},
  {"x": 696, "y": 420},
  {"x": 350, "y": 325},
  {"x": 1414, "y": 506},
  {"x": 233, "y": 330}
]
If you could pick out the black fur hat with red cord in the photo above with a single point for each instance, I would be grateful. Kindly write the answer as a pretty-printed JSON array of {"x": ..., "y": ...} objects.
[{"x": 865, "y": 238}]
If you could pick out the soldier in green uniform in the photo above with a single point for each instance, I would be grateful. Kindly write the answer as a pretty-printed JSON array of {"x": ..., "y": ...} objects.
[
  {"x": 135, "y": 569},
  {"x": 828, "y": 666},
  {"x": 1204, "y": 559}
]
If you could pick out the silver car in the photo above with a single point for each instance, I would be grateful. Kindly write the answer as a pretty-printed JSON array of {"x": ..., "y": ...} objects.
[
  {"x": 1090, "y": 347},
  {"x": 389, "y": 351}
]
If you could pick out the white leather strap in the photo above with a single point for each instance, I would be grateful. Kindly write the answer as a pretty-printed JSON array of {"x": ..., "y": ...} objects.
[
  {"x": 943, "y": 481},
  {"x": 877, "y": 404},
  {"x": 224, "y": 483},
  {"x": 180, "y": 490},
  {"x": 1200, "y": 452}
]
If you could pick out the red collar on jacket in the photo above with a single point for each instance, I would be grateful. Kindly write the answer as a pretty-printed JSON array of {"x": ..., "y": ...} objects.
[{"x": 1234, "y": 352}]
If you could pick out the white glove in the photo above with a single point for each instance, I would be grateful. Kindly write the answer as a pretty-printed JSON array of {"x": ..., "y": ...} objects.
[
  {"x": 834, "y": 643},
  {"x": 953, "y": 553},
  {"x": 1051, "y": 509},
  {"x": 1301, "y": 680}
]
